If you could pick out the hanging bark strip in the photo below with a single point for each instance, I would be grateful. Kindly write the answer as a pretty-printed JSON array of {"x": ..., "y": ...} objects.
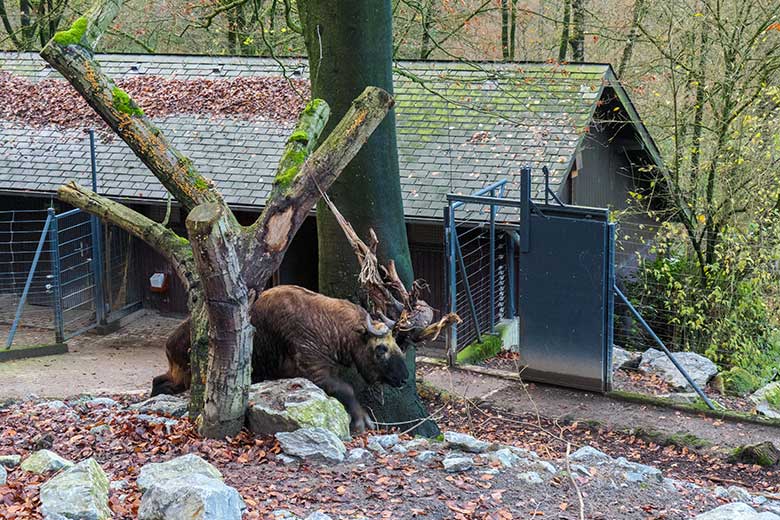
[{"x": 224, "y": 262}]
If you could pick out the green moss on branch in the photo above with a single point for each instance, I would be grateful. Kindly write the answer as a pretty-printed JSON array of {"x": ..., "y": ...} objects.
[
  {"x": 73, "y": 35},
  {"x": 124, "y": 103}
]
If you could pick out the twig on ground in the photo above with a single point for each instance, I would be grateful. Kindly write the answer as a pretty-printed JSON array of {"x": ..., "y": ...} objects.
[{"x": 574, "y": 482}]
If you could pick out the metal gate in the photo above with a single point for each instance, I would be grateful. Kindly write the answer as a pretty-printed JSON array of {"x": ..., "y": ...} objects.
[{"x": 557, "y": 281}]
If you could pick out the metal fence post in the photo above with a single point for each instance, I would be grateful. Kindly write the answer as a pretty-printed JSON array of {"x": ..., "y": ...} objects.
[
  {"x": 493, "y": 264},
  {"x": 510, "y": 255},
  {"x": 525, "y": 209},
  {"x": 97, "y": 242},
  {"x": 28, "y": 283},
  {"x": 449, "y": 215},
  {"x": 59, "y": 320}
]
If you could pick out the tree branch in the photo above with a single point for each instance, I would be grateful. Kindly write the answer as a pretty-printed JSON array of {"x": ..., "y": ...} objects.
[
  {"x": 286, "y": 209},
  {"x": 175, "y": 249},
  {"x": 70, "y": 52}
]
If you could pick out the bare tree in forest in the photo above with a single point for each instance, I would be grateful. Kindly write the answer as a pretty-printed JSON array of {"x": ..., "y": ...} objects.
[
  {"x": 223, "y": 265},
  {"x": 633, "y": 34},
  {"x": 508, "y": 28},
  {"x": 38, "y": 21},
  {"x": 350, "y": 46}
]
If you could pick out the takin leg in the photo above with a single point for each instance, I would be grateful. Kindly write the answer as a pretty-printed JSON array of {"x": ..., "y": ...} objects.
[
  {"x": 335, "y": 387},
  {"x": 177, "y": 350}
]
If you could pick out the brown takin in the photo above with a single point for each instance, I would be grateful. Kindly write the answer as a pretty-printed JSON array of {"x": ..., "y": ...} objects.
[{"x": 300, "y": 333}]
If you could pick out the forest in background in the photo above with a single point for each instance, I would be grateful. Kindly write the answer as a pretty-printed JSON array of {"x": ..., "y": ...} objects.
[{"x": 703, "y": 74}]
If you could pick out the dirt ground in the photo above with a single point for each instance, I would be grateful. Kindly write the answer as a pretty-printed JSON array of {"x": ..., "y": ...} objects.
[
  {"x": 558, "y": 403},
  {"x": 121, "y": 362}
]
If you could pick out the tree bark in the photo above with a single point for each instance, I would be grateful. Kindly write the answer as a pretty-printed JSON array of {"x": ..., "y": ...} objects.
[
  {"x": 578, "y": 34},
  {"x": 505, "y": 29},
  {"x": 349, "y": 43},
  {"x": 563, "y": 46},
  {"x": 214, "y": 245},
  {"x": 633, "y": 34}
]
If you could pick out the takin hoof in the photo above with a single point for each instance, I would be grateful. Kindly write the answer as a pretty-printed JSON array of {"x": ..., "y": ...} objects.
[{"x": 361, "y": 423}]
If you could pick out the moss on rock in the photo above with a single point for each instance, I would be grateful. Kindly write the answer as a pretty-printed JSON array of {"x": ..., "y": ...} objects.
[
  {"x": 764, "y": 454},
  {"x": 73, "y": 35},
  {"x": 739, "y": 381}
]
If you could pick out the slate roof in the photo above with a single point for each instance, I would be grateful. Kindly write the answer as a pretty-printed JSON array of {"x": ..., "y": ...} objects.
[{"x": 460, "y": 127}]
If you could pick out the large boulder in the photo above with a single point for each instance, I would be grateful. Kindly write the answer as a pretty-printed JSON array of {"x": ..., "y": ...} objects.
[
  {"x": 184, "y": 466},
  {"x": 44, "y": 461},
  {"x": 698, "y": 367},
  {"x": 78, "y": 493},
  {"x": 191, "y": 497},
  {"x": 767, "y": 400},
  {"x": 736, "y": 511},
  {"x": 622, "y": 358},
  {"x": 316, "y": 444},
  {"x": 10, "y": 461},
  {"x": 173, "y": 405},
  {"x": 287, "y": 405}
]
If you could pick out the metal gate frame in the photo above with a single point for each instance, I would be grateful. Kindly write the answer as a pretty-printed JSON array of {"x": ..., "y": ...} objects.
[{"x": 520, "y": 227}]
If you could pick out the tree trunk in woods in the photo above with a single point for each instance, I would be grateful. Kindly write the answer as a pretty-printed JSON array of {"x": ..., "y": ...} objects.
[
  {"x": 505, "y": 29},
  {"x": 633, "y": 34},
  {"x": 563, "y": 47},
  {"x": 223, "y": 263},
  {"x": 578, "y": 31},
  {"x": 349, "y": 43}
]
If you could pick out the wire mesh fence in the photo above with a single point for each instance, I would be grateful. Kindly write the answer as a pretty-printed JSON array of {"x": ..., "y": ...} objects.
[
  {"x": 727, "y": 309},
  {"x": 479, "y": 266},
  {"x": 50, "y": 269}
]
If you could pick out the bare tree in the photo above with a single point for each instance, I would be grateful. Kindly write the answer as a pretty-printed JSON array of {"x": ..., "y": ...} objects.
[{"x": 223, "y": 265}]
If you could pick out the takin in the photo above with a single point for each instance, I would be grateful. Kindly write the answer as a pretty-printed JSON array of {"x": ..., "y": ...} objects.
[{"x": 300, "y": 333}]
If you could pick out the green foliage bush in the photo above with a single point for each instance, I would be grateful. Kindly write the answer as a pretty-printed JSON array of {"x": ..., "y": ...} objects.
[
  {"x": 476, "y": 352},
  {"x": 727, "y": 311}
]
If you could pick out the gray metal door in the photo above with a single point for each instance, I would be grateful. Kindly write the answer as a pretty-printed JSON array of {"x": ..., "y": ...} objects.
[{"x": 565, "y": 298}]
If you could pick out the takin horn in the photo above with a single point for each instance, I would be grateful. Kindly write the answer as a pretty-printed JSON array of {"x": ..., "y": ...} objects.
[{"x": 374, "y": 331}]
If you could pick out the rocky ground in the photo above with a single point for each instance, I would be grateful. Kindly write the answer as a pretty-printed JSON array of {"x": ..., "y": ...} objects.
[{"x": 518, "y": 468}]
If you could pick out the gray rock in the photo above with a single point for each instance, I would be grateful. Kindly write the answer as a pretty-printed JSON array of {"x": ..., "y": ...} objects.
[
  {"x": 543, "y": 465},
  {"x": 385, "y": 441},
  {"x": 78, "y": 493},
  {"x": 44, "y": 461},
  {"x": 736, "y": 511},
  {"x": 3, "y": 475},
  {"x": 283, "y": 514},
  {"x": 358, "y": 455},
  {"x": 286, "y": 459},
  {"x": 505, "y": 456},
  {"x": 763, "y": 406},
  {"x": 530, "y": 477},
  {"x": 318, "y": 515},
  {"x": 738, "y": 494},
  {"x": 191, "y": 497},
  {"x": 167, "y": 423},
  {"x": 590, "y": 455},
  {"x": 53, "y": 405},
  {"x": 417, "y": 444},
  {"x": 698, "y": 367},
  {"x": 399, "y": 449},
  {"x": 10, "y": 461},
  {"x": 184, "y": 466},
  {"x": 173, "y": 405},
  {"x": 316, "y": 444},
  {"x": 119, "y": 485},
  {"x": 466, "y": 443},
  {"x": 634, "y": 472},
  {"x": 425, "y": 457},
  {"x": 622, "y": 358},
  {"x": 287, "y": 405},
  {"x": 100, "y": 431},
  {"x": 457, "y": 463}
]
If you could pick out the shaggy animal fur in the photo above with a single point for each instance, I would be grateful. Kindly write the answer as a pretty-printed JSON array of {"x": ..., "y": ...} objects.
[{"x": 300, "y": 333}]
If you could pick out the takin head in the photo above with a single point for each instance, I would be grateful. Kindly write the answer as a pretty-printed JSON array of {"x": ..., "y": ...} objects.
[{"x": 384, "y": 361}]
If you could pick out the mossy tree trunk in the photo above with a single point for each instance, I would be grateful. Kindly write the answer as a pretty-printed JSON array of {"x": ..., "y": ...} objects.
[
  {"x": 349, "y": 43},
  {"x": 223, "y": 262}
]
